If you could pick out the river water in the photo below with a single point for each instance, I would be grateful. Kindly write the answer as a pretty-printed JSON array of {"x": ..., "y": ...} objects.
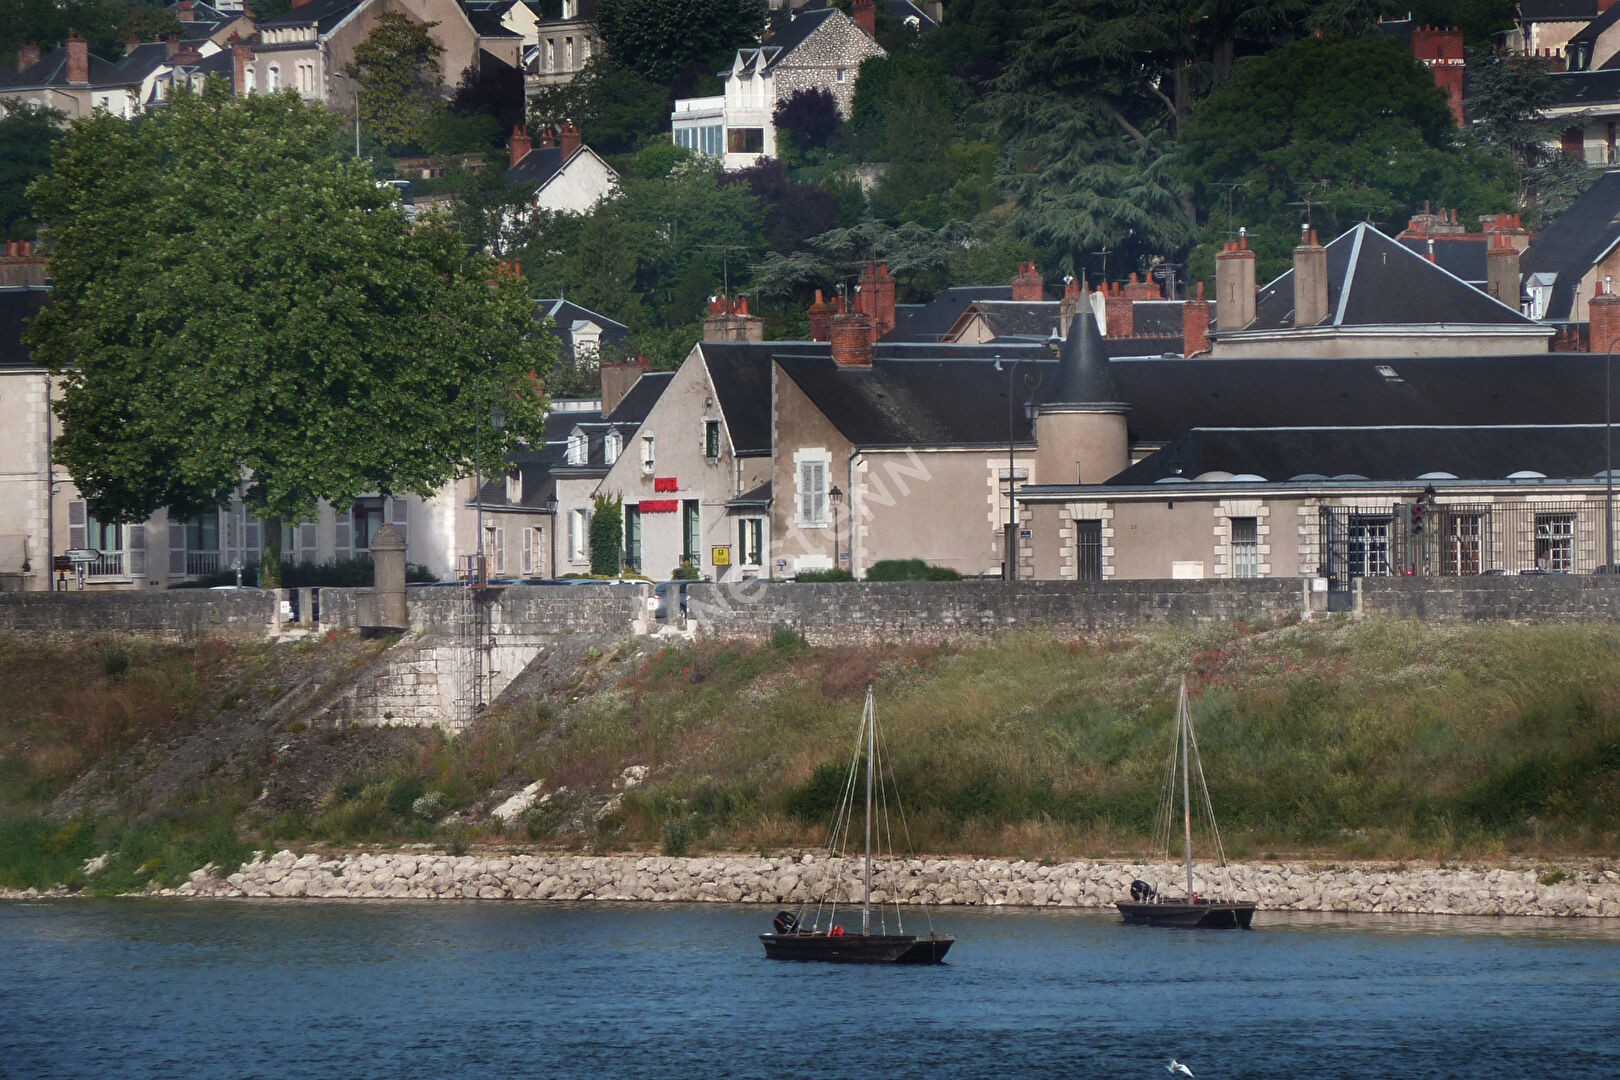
[{"x": 306, "y": 988}]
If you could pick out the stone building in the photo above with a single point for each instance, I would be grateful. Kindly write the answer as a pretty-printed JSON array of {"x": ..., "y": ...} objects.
[{"x": 814, "y": 49}]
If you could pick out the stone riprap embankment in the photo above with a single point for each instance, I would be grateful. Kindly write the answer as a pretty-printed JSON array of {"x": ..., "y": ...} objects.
[{"x": 944, "y": 882}]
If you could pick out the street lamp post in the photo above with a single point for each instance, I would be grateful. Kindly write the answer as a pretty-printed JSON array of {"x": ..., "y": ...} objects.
[
  {"x": 836, "y": 495},
  {"x": 1608, "y": 456},
  {"x": 1009, "y": 539}
]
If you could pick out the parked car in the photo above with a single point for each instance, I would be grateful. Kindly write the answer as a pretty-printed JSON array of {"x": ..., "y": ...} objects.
[{"x": 668, "y": 599}]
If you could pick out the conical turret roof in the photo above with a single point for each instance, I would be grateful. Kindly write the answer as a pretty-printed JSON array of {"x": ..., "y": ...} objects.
[{"x": 1083, "y": 376}]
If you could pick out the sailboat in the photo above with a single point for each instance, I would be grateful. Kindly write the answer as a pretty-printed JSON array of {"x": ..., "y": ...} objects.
[
  {"x": 1146, "y": 907},
  {"x": 817, "y": 935}
]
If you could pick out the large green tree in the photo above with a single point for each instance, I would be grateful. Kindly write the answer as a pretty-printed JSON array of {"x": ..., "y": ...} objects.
[
  {"x": 1341, "y": 130},
  {"x": 400, "y": 81},
  {"x": 235, "y": 303},
  {"x": 1507, "y": 107},
  {"x": 1093, "y": 104},
  {"x": 27, "y": 134},
  {"x": 661, "y": 40}
]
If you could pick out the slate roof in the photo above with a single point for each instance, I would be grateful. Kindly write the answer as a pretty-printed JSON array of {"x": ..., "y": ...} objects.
[
  {"x": 900, "y": 9},
  {"x": 1375, "y": 281},
  {"x": 52, "y": 70},
  {"x": 1588, "y": 34},
  {"x": 758, "y": 497},
  {"x": 1583, "y": 89},
  {"x": 1169, "y": 397},
  {"x": 566, "y": 315},
  {"x": 486, "y": 20},
  {"x": 788, "y": 30},
  {"x": 324, "y": 14},
  {"x": 1083, "y": 374},
  {"x": 1575, "y": 241},
  {"x": 638, "y": 402},
  {"x": 1018, "y": 318},
  {"x": 930, "y": 321},
  {"x": 1462, "y": 256},
  {"x": 18, "y": 303},
  {"x": 538, "y": 166},
  {"x": 205, "y": 20},
  {"x": 916, "y": 402},
  {"x": 741, "y": 375},
  {"x": 1556, "y": 10},
  {"x": 1376, "y": 453}
]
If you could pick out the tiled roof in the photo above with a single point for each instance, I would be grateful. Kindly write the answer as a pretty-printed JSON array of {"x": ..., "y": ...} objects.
[
  {"x": 1575, "y": 241},
  {"x": 1375, "y": 281}
]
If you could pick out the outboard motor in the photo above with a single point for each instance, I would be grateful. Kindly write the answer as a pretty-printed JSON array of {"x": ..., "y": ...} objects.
[
  {"x": 785, "y": 922},
  {"x": 1142, "y": 892}
]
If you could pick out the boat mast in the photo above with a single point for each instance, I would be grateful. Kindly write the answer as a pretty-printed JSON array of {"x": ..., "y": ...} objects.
[
  {"x": 1185, "y": 720},
  {"x": 866, "y": 882}
]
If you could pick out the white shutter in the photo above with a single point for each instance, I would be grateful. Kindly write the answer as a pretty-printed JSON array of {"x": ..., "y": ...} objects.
[
  {"x": 807, "y": 495},
  {"x": 177, "y": 547},
  {"x": 497, "y": 543},
  {"x": 344, "y": 534},
  {"x": 399, "y": 516},
  {"x": 135, "y": 540},
  {"x": 78, "y": 513},
  {"x": 820, "y": 488},
  {"x": 306, "y": 542},
  {"x": 252, "y": 547}
]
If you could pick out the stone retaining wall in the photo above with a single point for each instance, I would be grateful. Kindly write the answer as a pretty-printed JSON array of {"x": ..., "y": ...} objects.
[
  {"x": 184, "y": 614},
  {"x": 1530, "y": 598},
  {"x": 981, "y": 882}
]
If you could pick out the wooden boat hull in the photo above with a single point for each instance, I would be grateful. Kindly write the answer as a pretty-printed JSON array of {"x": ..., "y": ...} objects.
[
  {"x": 1204, "y": 915},
  {"x": 858, "y": 948}
]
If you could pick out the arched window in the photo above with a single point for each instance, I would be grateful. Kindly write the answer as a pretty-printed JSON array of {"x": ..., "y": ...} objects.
[
  {"x": 274, "y": 82},
  {"x": 250, "y": 79}
]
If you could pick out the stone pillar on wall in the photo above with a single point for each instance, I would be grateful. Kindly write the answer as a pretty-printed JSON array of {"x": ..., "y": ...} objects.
[{"x": 388, "y": 559}]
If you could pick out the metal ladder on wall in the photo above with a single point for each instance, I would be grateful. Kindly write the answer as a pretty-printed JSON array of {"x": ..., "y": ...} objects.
[{"x": 469, "y": 649}]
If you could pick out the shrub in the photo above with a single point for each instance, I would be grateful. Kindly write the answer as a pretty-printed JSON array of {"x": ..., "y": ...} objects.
[
  {"x": 787, "y": 639},
  {"x": 909, "y": 570},
  {"x": 813, "y": 576},
  {"x": 685, "y": 572}
]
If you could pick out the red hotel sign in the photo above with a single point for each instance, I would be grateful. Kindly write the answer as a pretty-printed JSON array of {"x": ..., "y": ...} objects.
[
  {"x": 666, "y": 483},
  {"x": 659, "y": 506}
]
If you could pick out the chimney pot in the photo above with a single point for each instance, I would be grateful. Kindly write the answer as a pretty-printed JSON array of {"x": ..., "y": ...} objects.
[
  {"x": 27, "y": 55},
  {"x": 865, "y": 16},
  {"x": 521, "y": 144},
  {"x": 570, "y": 141},
  {"x": 1195, "y": 324}
]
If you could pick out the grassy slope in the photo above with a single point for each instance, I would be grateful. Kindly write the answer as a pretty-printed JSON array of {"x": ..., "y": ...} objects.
[{"x": 1372, "y": 739}]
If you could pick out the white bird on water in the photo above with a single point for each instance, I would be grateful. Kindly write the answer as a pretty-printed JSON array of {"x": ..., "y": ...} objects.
[{"x": 1177, "y": 1067}]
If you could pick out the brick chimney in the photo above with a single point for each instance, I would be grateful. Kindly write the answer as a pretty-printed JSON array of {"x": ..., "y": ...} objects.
[
  {"x": 1234, "y": 285},
  {"x": 877, "y": 297},
  {"x": 570, "y": 140},
  {"x": 27, "y": 55},
  {"x": 301, "y": 3},
  {"x": 1119, "y": 311},
  {"x": 1027, "y": 286},
  {"x": 240, "y": 55},
  {"x": 1145, "y": 289},
  {"x": 186, "y": 11},
  {"x": 547, "y": 138},
  {"x": 617, "y": 379},
  {"x": 1195, "y": 324},
  {"x": 1502, "y": 270},
  {"x": 78, "y": 58},
  {"x": 521, "y": 144},
  {"x": 1310, "y": 280},
  {"x": 865, "y": 16},
  {"x": 728, "y": 320},
  {"x": 1508, "y": 226},
  {"x": 1603, "y": 318},
  {"x": 821, "y": 314},
  {"x": 131, "y": 43},
  {"x": 172, "y": 45},
  {"x": 20, "y": 265},
  {"x": 851, "y": 338},
  {"x": 187, "y": 55}
]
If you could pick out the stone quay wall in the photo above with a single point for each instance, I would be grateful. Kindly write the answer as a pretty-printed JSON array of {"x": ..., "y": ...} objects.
[
  {"x": 869, "y": 612},
  {"x": 789, "y": 880},
  {"x": 179, "y": 614},
  {"x": 1527, "y": 598}
]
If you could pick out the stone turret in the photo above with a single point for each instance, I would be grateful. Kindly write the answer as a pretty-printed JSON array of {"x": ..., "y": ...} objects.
[{"x": 1080, "y": 433}]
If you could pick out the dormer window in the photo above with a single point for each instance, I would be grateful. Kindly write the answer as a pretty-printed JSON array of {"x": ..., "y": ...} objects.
[
  {"x": 612, "y": 446},
  {"x": 576, "y": 448},
  {"x": 514, "y": 488}
]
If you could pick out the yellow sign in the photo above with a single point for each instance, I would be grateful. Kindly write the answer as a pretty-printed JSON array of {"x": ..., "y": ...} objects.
[{"x": 720, "y": 556}]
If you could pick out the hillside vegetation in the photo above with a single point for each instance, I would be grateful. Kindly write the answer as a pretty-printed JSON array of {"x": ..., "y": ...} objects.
[{"x": 1378, "y": 739}]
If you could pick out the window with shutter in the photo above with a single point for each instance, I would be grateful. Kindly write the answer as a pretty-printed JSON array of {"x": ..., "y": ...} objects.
[
  {"x": 812, "y": 493},
  {"x": 135, "y": 537},
  {"x": 78, "y": 515},
  {"x": 177, "y": 547}
]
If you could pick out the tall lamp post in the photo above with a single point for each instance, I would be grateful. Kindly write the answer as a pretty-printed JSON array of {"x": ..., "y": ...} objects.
[
  {"x": 1009, "y": 539},
  {"x": 496, "y": 420},
  {"x": 836, "y": 496}
]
